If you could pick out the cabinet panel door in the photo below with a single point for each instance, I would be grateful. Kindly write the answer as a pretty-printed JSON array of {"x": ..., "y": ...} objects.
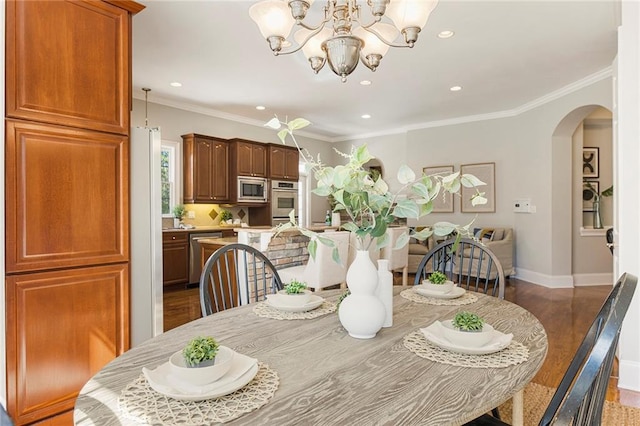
[
  {"x": 66, "y": 325},
  {"x": 203, "y": 185},
  {"x": 259, "y": 157},
  {"x": 277, "y": 162},
  {"x": 220, "y": 171},
  {"x": 70, "y": 74},
  {"x": 292, "y": 164},
  {"x": 245, "y": 159},
  {"x": 67, "y": 197},
  {"x": 175, "y": 263}
]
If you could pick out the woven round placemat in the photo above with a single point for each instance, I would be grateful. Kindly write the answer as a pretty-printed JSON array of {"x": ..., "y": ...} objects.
[
  {"x": 465, "y": 299},
  {"x": 263, "y": 310},
  {"x": 140, "y": 403},
  {"x": 513, "y": 354}
]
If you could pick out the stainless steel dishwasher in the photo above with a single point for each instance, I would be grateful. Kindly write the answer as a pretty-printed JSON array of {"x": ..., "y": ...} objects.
[{"x": 195, "y": 254}]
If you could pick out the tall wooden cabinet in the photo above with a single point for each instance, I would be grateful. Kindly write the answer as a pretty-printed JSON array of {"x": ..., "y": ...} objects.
[
  {"x": 67, "y": 198},
  {"x": 205, "y": 169}
]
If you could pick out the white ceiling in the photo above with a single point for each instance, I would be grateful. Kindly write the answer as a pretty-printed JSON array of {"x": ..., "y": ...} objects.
[{"x": 505, "y": 54}]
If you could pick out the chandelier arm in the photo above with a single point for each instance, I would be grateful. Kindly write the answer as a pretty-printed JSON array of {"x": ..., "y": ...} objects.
[
  {"x": 382, "y": 39},
  {"x": 313, "y": 32}
]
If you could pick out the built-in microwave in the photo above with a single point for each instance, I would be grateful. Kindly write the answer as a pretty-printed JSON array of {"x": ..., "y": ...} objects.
[{"x": 252, "y": 189}]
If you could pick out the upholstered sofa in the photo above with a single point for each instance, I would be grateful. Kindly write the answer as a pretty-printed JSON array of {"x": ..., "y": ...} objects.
[{"x": 498, "y": 240}]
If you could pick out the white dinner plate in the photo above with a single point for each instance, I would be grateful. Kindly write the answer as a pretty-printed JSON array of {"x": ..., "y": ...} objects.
[
  {"x": 434, "y": 335},
  {"x": 314, "y": 302},
  {"x": 244, "y": 367},
  {"x": 453, "y": 294}
]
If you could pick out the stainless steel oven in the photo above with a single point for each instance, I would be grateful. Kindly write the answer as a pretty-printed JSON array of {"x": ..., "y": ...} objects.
[{"x": 284, "y": 198}]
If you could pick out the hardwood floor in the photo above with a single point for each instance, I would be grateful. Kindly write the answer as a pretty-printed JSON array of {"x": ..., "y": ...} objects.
[{"x": 565, "y": 313}]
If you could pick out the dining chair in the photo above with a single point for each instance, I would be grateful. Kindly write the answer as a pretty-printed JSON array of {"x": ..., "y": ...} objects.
[
  {"x": 323, "y": 271},
  {"x": 398, "y": 257},
  {"x": 472, "y": 266},
  {"x": 235, "y": 275},
  {"x": 580, "y": 396}
]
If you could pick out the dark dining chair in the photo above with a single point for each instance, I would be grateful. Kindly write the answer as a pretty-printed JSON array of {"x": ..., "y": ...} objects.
[
  {"x": 580, "y": 396},
  {"x": 471, "y": 266},
  {"x": 235, "y": 275}
]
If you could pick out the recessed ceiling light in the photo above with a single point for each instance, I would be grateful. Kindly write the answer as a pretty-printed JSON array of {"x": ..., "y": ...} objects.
[
  {"x": 176, "y": 84},
  {"x": 365, "y": 116},
  {"x": 455, "y": 88},
  {"x": 365, "y": 83},
  {"x": 261, "y": 108},
  {"x": 445, "y": 34}
]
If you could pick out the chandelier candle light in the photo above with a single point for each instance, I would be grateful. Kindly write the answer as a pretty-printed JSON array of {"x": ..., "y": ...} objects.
[{"x": 342, "y": 38}]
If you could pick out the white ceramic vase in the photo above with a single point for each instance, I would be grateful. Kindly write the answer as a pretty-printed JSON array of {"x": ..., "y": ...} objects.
[{"x": 361, "y": 313}]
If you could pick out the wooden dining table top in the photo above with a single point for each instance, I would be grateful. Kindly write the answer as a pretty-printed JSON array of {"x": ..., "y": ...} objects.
[{"x": 329, "y": 378}]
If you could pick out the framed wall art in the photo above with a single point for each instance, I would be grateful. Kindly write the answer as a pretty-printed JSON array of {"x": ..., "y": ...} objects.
[
  {"x": 443, "y": 203},
  {"x": 588, "y": 196},
  {"x": 590, "y": 162},
  {"x": 486, "y": 172}
]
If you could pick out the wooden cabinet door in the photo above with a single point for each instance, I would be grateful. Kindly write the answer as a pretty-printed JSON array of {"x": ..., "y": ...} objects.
[
  {"x": 277, "y": 162},
  {"x": 66, "y": 197},
  {"x": 244, "y": 153},
  {"x": 67, "y": 62},
  {"x": 202, "y": 173},
  {"x": 220, "y": 172},
  {"x": 259, "y": 160},
  {"x": 292, "y": 160},
  {"x": 65, "y": 326},
  {"x": 175, "y": 258}
]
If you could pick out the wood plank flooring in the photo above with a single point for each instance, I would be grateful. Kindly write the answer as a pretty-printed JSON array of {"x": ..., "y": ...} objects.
[{"x": 565, "y": 313}]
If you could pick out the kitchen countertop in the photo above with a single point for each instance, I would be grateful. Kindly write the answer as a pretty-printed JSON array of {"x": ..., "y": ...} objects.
[
  {"x": 200, "y": 229},
  {"x": 218, "y": 241}
]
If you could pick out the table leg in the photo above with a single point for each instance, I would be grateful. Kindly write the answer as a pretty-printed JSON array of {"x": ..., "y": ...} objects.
[
  {"x": 518, "y": 409},
  {"x": 405, "y": 275}
]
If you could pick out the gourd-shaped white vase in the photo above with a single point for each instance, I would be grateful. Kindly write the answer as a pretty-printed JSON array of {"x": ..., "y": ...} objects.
[{"x": 362, "y": 313}]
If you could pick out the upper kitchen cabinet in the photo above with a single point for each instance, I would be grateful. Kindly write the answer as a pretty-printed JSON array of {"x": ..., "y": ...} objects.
[
  {"x": 248, "y": 158},
  {"x": 283, "y": 162},
  {"x": 206, "y": 169},
  {"x": 75, "y": 75}
]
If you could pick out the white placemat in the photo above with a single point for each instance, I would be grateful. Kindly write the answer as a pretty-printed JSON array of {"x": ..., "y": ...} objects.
[
  {"x": 513, "y": 354},
  {"x": 140, "y": 403},
  {"x": 263, "y": 310},
  {"x": 465, "y": 299}
]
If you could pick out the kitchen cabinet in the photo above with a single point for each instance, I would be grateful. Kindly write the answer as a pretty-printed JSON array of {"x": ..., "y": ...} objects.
[
  {"x": 249, "y": 158},
  {"x": 283, "y": 162},
  {"x": 175, "y": 258},
  {"x": 205, "y": 169},
  {"x": 66, "y": 123}
]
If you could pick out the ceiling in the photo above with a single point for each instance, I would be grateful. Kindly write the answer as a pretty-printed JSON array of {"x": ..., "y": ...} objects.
[{"x": 505, "y": 55}]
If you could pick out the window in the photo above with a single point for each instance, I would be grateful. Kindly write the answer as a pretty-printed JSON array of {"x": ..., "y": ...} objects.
[{"x": 170, "y": 176}]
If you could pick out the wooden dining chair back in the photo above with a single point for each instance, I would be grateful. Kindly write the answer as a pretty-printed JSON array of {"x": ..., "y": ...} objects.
[
  {"x": 579, "y": 398},
  {"x": 471, "y": 266},
  {"x": 235, "y": 275}
]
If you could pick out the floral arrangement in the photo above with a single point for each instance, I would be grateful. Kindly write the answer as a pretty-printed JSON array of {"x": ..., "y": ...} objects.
[
  {"x": 368, "y": 204},
  {"x": 467, "y": 321},
  {"x": 200, "y": 349}
]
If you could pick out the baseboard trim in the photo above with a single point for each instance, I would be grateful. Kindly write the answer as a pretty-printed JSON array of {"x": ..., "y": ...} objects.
[
  {"x": 550, "y": 281},
  {"x": 629, "y": 375},
  {"x": 584, "y": 280}
]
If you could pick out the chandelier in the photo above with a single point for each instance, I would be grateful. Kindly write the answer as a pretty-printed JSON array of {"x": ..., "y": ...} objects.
[{"x": 341, "y": 38}]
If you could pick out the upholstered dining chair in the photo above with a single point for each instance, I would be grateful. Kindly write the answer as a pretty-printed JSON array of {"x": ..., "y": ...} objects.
[
  {"x": 472, "y": 266},
  {"x": 322, "y": 271},
  {"x": 398, "y": 258},
  {"x": 235, "y": 275},
  {"x": 579, "y": 398}
]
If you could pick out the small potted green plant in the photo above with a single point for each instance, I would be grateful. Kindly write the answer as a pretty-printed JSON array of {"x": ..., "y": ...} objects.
[
  {"x": 226, "y": 217},
  {"x": 437, "y": 281},
  {"x": 178, "y": 214},
  {"x": 295, "y": 293},
  {"x": 468, "y": 329},
  {"x": 201, "y": 361}
]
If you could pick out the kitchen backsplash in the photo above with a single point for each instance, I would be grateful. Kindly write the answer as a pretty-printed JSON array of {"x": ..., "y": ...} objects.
[{"x": 208, "y": 215}]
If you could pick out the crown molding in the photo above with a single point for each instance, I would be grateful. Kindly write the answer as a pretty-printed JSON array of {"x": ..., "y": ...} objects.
[{"x": 549, "y": 97}]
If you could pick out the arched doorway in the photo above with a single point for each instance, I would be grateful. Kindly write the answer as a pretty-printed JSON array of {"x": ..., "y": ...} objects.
[{"x": 579, "y": 251}]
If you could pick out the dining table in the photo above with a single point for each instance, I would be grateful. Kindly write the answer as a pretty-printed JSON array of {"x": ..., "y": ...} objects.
[{"x": 320, "y": 375}]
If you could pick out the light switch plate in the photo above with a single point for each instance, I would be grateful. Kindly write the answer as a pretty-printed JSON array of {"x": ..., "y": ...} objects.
[{"x": 522, "y": 205}]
